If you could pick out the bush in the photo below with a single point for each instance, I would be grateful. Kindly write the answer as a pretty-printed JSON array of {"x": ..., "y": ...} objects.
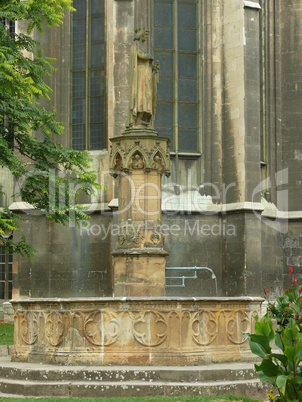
[{"x": 281, "y": 369}]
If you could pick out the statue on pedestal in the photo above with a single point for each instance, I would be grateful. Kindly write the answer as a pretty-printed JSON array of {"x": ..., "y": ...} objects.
[{"x": 143, "y": 81}]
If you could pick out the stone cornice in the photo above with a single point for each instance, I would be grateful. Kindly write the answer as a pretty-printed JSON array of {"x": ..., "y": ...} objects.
[
  {"x": 251, "y": 4},
  {"x": 136, "y": 299}
]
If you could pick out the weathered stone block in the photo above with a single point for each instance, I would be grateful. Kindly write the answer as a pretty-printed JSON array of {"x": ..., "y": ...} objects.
[{"x": 128, "y": 331}]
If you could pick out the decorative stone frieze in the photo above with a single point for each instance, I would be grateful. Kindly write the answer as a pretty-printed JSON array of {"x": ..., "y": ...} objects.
[
  {"x": 154, "y": 331},
  {"x": 140, "y": 149},
  {"x": 138, "y": 237}
]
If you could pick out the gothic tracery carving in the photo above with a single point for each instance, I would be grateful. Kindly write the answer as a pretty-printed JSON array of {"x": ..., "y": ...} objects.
[{"x": 54, "y": 328}]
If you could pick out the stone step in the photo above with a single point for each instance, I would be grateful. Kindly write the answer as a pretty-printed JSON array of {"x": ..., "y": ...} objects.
[
  {"x": 31, "y": 379},
  {"x": 112, "y": 374},
  {"x": 78, "y": 389}
]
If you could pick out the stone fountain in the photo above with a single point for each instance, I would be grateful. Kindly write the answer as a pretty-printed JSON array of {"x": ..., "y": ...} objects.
[{"x": 138, "y": 325}]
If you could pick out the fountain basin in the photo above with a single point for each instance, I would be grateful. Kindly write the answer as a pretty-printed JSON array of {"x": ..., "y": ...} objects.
[{"x": 134, "y": 331}]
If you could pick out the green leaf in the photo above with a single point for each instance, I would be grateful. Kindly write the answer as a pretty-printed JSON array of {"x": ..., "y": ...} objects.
[
  {"x": 291, "y": 335},
  {"x": 264, "y": 327},
  {"x": 259, "y": 345},
  {"x": 299, "y": 378},
  {"x": 280, "y": 357},
  {"x": 290, "y": 352},
  {"x": 281, "y": 382},
  {"x": 268, "y": 371},
  {"x": 278, "y": 341}
]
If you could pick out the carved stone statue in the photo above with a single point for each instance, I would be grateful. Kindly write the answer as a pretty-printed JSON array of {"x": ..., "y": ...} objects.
[
  {"x": 143, "y": 81},
  {"x": 155, "y": 82}
]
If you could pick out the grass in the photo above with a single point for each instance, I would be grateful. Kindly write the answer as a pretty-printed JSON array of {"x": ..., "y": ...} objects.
[
  {"x": 6, "y": 334},
  {"x": 227, "y": 398}
]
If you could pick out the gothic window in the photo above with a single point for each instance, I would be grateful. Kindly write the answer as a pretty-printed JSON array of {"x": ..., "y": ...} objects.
[
  {"x": 177, "y": 37},
  {"x": 88, "y": 117},
  {"x": 6, "y": 276},
  {"x": 9, "y": 26}
]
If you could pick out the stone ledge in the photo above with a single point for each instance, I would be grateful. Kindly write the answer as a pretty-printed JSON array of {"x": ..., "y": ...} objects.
[
  {"x": 136, "y": 299},
  {"x": 251, "y": 4},
  {"x": 90, "y": 208}
]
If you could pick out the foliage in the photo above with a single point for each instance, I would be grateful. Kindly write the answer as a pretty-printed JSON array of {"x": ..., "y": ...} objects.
[
  {"x": 49, "y": 176},
  {"x": 288, "y": 306},
  {"x": 6, "y": 334},
  {"x": 281, "y": 369}
]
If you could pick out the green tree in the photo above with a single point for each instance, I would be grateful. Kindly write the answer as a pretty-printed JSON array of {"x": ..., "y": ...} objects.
[{"x": 52, "y": 176}]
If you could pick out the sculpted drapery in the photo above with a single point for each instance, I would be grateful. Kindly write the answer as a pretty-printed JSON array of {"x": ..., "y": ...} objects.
[{"x": 143, "y": 80}]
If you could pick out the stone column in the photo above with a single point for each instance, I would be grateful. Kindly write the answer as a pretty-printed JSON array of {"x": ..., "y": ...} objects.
[
  {"x": 139, "y": 158},
  {"x": 143, "y": 19}
]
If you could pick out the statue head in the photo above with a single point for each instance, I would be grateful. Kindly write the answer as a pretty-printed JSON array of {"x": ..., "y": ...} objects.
[{"x": 141, "y": 34}]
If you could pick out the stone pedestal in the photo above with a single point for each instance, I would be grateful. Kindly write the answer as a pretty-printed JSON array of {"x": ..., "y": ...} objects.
[
  {"x": 139, "y": 158},
  {"x": 139, "y": 273}
]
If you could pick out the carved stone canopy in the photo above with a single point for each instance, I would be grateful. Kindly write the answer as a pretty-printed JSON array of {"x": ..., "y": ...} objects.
[{"x": 143, "y": 152}]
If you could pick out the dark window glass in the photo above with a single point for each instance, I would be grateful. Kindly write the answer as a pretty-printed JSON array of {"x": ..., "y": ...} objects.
[
  {"x": 165, "y": 89},
  {"x": 187, "y": 140},
  {"x": 6, "y": 281},
  {"x": 79, "y": 57},
  {"x": 2, "y": 272},
  {"x": 9, "y": 26},
  {"x": 96, "y": 110},
  {"x": 164, "y": 114},
  {"x": 187, "y": 14},
  {"x": 88, "y": 100},
  {"x": 2, "y": 285},
  {"x": 163, "y": 37},
  {"x": 12, "y": 28},
  {"x": 175, "y": 22},
  {"x": 97, "y": 55},
  {"x": 78, "y": 137},
  {"x": 187, "y": 115},
  {"x": 97, "y": 29},
  {"x": 97, "y": 7},
  {"x": 78, "y": 84},
  {"x": 163, "y": 13},
  {"x": 78, "y": 111},
  {"x": 96, "y": 136},
  {"x": 97, "y": 82},
  {"x": 164, "y": 119},
  {"x": 166, "y": 63},
  {"x": 187, "y": 90},
  {"x": 79, "y": 32},
  {"x": 187, "y": 65},
  {"x": 187, "y": 40},
  {"x": 80, "y": 6}
]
